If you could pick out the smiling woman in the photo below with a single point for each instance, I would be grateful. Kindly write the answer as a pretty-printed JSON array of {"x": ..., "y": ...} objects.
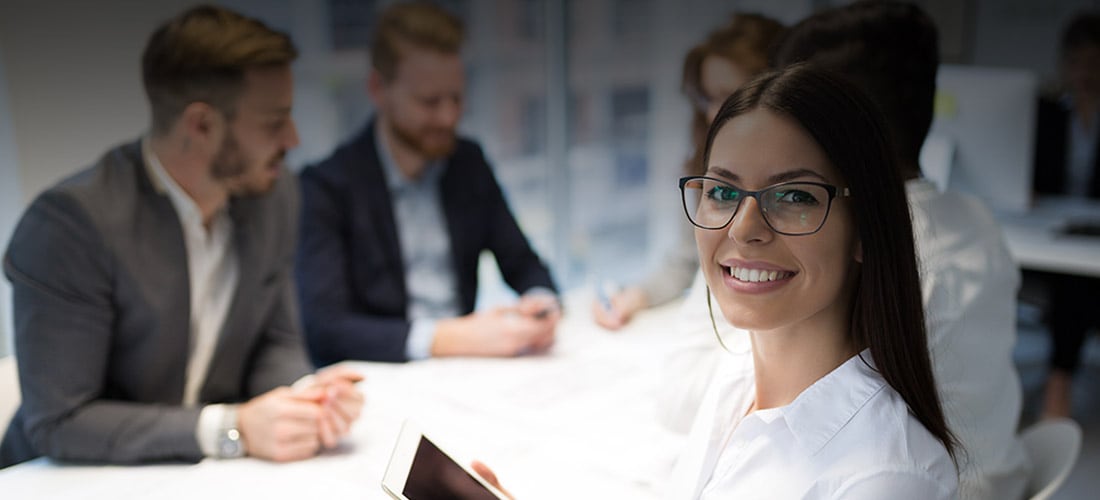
[{"x": 805, "y": 242}]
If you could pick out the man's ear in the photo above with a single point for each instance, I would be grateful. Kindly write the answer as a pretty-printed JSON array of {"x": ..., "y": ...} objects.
[
  {"x": 203, "y": 125},
  {"x": 376, "y": 87}
]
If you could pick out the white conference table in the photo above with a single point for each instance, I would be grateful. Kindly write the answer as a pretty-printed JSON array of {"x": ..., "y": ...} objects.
[
  {"x": 1036, "y": 241},
  {"x": 578, "y": 422}
]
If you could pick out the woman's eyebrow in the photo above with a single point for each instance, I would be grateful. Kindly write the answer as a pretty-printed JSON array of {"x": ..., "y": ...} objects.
[
  {"x": 791, "y": 175},
  {"x": 723, "y": 172},
  {"x": 786, "y": 176}
]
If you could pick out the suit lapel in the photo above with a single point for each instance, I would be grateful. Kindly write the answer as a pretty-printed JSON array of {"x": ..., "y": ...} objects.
[
  {"x": 223, "y": 379},
  {"x": 170, "y": 284},
  {"x": 375, "y": 203},
  {"x": 1094, "y": 188},
  {"x": 458, "y": 202}
]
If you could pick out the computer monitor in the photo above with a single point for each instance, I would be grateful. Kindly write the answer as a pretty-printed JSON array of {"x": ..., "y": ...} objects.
[{"x": 982, "y": 139}]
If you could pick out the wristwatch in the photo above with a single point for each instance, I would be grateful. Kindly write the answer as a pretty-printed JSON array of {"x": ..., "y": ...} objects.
[{"x": 230, "y": 444}]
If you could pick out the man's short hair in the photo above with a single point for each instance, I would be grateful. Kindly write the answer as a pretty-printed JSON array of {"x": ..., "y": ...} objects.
[
  {"x": 888, "y": 49},
  {"x": 202, "y": 55},
  {"x": 417, "y": 24},
  {"x": 1081, "y": 30}
]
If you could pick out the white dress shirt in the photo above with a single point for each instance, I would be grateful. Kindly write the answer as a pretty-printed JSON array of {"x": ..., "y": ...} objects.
[
  {"x": 849, "y": 435},
  {"x": 213, "y": 272},
  {"x": 969, "y": 283},
  {"x": 691, "y": 357},
  {"x": 425, "y": 244},
  {"x": 425, "y": 248}
]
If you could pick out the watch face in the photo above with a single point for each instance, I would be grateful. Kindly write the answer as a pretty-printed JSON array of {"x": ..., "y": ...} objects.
[{"x": 230, "y": 444}]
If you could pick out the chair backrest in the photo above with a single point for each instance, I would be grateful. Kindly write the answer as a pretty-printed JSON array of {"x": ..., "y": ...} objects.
[
  {"x": 1053, "y": 446},
  {"x": 9, "y": 391}
]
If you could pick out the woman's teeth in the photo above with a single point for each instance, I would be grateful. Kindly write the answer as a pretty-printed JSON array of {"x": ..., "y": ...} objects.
[{"x": 757, "y": 275}]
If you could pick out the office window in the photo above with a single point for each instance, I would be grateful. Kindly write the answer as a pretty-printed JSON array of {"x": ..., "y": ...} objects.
[
  {"x": 631, "y": 18},
  {"x": 630, "y": 131},
  {"x": 532, "y": 24},
  {"x": 351, "y": 22},
  {"x": 533, "y": 125},
  {"x": 580, "y": 114}
]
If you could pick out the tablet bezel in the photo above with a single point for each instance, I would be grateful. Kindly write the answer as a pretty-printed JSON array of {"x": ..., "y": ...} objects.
[{"x": 401, "y": 460}]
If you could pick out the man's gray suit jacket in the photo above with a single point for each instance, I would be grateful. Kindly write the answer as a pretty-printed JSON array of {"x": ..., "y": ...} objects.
[{"x": 101, "y": 298}]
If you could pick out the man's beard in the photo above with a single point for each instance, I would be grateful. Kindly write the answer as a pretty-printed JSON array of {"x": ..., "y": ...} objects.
[
  {"x": 230, "y": 167},
  {"x": 228, "y": 162},
  {"x": 420, "y": 146}
]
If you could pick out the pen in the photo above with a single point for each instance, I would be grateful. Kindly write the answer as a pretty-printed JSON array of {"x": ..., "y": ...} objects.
[{"x": 604, "y": 292}]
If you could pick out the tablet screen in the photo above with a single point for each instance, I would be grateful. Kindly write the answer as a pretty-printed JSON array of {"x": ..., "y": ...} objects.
[{"x": 434, "y": 476}]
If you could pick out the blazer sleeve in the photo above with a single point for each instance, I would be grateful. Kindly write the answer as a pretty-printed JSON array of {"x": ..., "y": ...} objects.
[
  {"x": 336, "y": 329},
  {"x": 280, "y": 357},
  {"x": 519, "y": 265},
  {"x": 61, "y": 282}
]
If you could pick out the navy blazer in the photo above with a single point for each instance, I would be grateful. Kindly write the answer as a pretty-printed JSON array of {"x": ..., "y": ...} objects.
[
  {"x": 1051, "y": 151},
  {"x": 350, "y": 269}
]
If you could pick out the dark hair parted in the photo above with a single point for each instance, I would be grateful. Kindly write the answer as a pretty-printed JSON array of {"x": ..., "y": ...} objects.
[
  {"x": 887, "y": 315},
  {"x": 202, "y": 55},
  {"x": 746, "y": 40},
  {"x": 419, "y": 24},
  {"x": 889, "y": 49},
  {"x": 1081, "y": 30}
]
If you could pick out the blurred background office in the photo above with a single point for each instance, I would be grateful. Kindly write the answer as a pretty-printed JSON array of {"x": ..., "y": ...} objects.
[{"x": 577, "y": 103}]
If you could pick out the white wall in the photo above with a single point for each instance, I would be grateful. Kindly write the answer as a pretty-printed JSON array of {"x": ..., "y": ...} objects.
[
  {"x": 70, "y": 88},
  {"x": 73, "y": 80},
  {"x": 10, "y": 203}
]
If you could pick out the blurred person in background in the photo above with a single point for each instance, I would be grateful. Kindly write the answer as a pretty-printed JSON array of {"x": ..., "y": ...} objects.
[
  {"x": 729, "y": 56},
  {"x": 155, "y": 317},
  {"x": 395, "y": 220},
  {"x": 1067, "y": 164}
]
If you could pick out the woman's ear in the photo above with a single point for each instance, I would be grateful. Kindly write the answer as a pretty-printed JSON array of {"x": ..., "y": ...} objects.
[{"x": 857, "y": 254}]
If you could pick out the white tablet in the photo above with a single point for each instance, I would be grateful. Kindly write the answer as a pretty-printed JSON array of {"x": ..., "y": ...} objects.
[{"x": 419, "y": 470}]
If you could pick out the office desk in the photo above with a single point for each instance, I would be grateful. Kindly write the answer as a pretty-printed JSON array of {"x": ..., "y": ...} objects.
[
  {"x": 1035, "y": 240},
  {"x": 579, "y": 417}
]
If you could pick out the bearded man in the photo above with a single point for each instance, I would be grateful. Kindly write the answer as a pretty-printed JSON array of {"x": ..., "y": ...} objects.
[
  {"x": 394, "y": 221},
  {"x": 155, "y": 318}
]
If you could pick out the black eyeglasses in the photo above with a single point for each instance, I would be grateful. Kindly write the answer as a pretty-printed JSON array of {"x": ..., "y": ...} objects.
[{"x": 790, "y": 208}]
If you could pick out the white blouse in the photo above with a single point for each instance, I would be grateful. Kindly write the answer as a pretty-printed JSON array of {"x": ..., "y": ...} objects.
[{"x": 849, "y": 435}]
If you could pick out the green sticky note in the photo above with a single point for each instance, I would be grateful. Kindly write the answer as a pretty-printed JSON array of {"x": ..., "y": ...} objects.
[{"x": 946, "y": 105}]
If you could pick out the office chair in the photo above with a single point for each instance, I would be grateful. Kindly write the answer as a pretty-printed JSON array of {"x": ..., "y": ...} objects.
[{"x": 1053, "y": 446}]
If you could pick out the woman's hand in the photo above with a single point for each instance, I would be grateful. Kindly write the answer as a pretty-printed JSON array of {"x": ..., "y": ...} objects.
[{"x": 487, "y": 474}]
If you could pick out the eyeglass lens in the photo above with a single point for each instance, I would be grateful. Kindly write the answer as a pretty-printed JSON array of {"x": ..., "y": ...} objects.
[{"x": 790, "y": 208}]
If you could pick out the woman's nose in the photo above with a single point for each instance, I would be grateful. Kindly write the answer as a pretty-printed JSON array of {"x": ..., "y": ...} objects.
[{"x": 748, "y": 225}]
